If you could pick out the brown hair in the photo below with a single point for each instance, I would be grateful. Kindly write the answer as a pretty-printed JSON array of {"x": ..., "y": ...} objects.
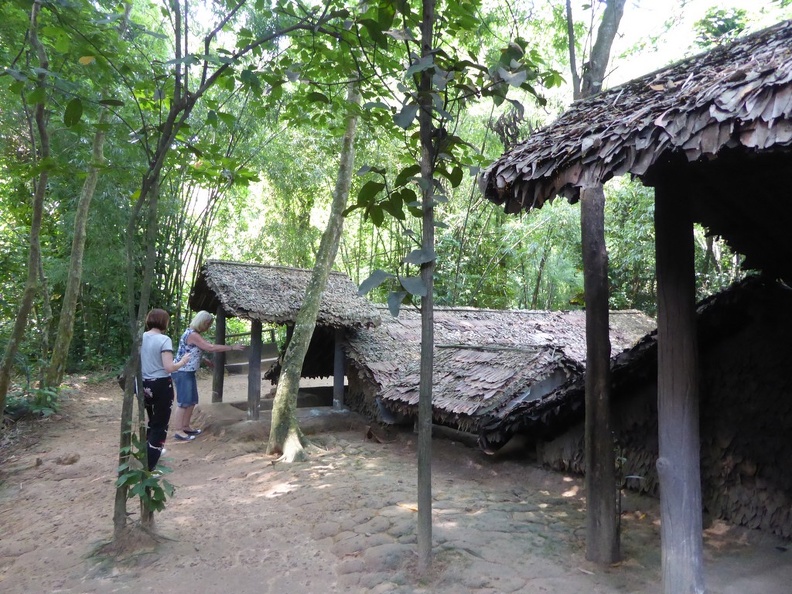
[{"x": 157, "y": 318}]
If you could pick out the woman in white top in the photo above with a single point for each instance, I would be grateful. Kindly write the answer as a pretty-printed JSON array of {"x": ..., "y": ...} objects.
[
  {"x": 156, "y": 362},
  {"x": 192, "y": 344}
]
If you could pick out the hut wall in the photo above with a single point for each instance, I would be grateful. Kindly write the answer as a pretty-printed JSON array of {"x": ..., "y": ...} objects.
[
  {"x": 746, "y": 428},
  {"x": 360, "y": 392}
]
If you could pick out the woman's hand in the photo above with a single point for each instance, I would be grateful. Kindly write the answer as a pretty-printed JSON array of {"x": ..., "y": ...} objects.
[{"x": 238, "y": 347}]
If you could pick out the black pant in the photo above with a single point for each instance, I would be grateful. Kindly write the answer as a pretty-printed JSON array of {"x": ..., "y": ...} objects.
[{"x": 158, "y": 397}]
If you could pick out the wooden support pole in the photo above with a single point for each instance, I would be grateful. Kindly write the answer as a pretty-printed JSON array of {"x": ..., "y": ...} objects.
[
  {"x": 254, "y": 371},
  {"x": 338, "y": 369},
  {"x": 678, "y": 396},
  {"x": 602, "y": 522},
  {"x": 218, "y": 374}
]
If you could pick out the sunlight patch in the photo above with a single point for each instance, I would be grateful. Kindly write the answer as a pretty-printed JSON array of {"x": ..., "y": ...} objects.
[
  {"x": 572, "y": 492},
  {"x": 280, "y": 489}
]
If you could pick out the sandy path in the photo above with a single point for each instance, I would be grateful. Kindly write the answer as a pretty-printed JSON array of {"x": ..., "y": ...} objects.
[{"x": 342, "y": 522}]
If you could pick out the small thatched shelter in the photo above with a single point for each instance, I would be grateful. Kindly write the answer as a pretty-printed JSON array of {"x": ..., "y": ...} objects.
[
  {"x": 712, "y": 134},
  {"x": 273, "y": 295},
  {"x": 487, "y": 363}
]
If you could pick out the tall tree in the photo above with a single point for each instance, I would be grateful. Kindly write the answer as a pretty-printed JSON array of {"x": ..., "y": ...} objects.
[
  {"x": 40, "y": 139},
  {"x": 286, "y": 437},
  {"x": 183, "y": 93}
]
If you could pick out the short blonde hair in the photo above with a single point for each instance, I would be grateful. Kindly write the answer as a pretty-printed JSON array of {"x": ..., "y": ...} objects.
[{"x": 200, "y": 320}]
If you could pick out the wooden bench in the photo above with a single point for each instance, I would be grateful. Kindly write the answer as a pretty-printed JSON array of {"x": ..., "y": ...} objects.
[{"x": 237, "y": 361}]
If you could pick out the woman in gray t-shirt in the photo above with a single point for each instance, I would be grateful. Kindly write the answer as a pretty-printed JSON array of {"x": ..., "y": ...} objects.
[{"x": 156, "y": 362}]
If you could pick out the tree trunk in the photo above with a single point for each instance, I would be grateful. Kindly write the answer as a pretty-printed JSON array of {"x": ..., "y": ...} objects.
[
  {"x": 678, "y": 463},
  {"x": 595, "y": 69},
  {"x": 286, "y": 438},
  {"x": 34, "y": 255},
  {"x": 602, "y": 542},
  {"x": 181, "y": 106},
  {"x": 60, "y": 350},
  {"x": 427, "y": 301}
]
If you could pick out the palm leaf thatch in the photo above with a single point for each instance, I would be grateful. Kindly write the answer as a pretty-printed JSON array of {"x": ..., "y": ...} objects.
[
  {"x": 274, "y": 294},
  {"x": 486, "y": 362},
  {"x": 716, "y": 127}
]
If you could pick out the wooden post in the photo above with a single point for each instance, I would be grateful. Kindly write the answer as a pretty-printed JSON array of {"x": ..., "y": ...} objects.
[
  {"x": 218, "y": 374},
  {"x": 338, "y": 369},
  {"x": 677, "y": 396},
  {"x": 602, "y": 522},
  {"x": 254, "y": 371}
]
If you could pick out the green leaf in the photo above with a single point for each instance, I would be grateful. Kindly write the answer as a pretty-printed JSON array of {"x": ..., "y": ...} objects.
[
  {"x": 405, "y": 117},
  {"x": 111, "y": 102},
  {"x": 406, "y": 174},
  {"x": 369, "y": 190},
  {"x": 418, "y": 257},
  {"x": 395, "y": 299},
  {"x": 375, "y": 31},
  {"x": 227, "y": 118},
  {"x": 394, "y": 206},
  {"x": 317, "y": 97},
  {"x": 414, "y": 285},
  {"x": 366, "y": 168},
  {"x": 424, "y": 63},
  {"x": 350, "y": 209},
  {"x": 377, "y": 215},
  {"x": 515, "y": 79},
  {"x": 37, "y": 95},
  {"x": 375, "y": 105},
  {"x": 73, "y": 113},
  {"x": 373, "y": 281}
]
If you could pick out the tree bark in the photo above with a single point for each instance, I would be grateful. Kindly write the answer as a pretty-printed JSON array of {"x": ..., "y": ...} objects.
[
  {"x": 286, "y": 438},
  {"x": 181, "y": 106},
  {"x": 34, "y": 254},
  {"x": 594, "y": 70},
  {"x": 678, "y": 463},
  {"x": 60, "y": 350},
  {"x": 427, "y": 301},
  {"x": 572, "y": 58},
  {"x": 602, "y": 542}
]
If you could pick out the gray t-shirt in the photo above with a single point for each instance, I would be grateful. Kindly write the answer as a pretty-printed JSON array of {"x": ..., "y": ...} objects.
[{"x": 151, "y": 350}]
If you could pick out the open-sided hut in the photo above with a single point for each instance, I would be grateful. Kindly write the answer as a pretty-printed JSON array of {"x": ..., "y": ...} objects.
[
  {"x": 273, "y": 295},
  {"x": 487, "y": 364},
  {"x": 712, "y": 135}
]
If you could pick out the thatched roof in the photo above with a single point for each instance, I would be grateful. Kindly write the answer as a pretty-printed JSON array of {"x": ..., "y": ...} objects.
[
  {"x": 274, "y": 294},
  {"x": 718, "y": 316},
  {"x": 734, "y": 96},
  {"x": 486, "y": 361}
]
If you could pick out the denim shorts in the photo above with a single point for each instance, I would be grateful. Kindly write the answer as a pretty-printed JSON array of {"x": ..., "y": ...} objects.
[{"x": 186, "y": 388}]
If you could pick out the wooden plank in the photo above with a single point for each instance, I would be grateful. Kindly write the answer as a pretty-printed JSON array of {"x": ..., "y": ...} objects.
[
  {"x": 254, "y": 371},
  {"x": 602, "y": 532},
  {"x": 677, "y": 395},
  {"x": 218, "y": 374},
  {"x": 338, "y": 370}
]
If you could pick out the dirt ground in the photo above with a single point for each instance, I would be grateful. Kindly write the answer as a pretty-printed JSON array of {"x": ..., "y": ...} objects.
[{"x": 342, "y": 522}]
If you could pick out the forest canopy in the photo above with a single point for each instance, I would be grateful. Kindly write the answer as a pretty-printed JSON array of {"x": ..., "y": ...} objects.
[{"x": 248, "y": 169}]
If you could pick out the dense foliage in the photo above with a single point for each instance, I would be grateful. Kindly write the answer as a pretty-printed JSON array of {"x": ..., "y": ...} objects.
[{"x": 249, "y": 173}]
